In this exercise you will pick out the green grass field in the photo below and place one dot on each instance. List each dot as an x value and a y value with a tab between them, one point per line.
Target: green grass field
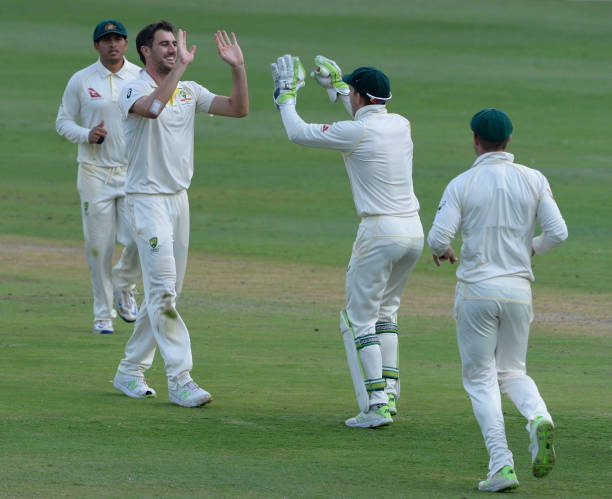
272	229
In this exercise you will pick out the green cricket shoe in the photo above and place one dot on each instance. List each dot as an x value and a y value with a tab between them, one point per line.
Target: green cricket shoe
371	419
541	438
504	479
392	404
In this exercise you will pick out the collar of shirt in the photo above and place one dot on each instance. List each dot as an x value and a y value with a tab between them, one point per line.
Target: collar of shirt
104	71
494	156
373	108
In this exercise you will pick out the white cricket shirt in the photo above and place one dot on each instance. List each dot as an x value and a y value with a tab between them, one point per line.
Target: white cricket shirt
495	204
377	151
160	151
92	95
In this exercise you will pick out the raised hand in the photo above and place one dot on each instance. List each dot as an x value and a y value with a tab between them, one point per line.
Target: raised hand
229	50
183	55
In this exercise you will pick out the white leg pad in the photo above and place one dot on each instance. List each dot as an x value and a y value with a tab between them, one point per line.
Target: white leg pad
348	338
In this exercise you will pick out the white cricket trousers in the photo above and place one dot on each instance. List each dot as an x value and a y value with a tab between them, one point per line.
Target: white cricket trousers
493	319
384	253
105	220
161	224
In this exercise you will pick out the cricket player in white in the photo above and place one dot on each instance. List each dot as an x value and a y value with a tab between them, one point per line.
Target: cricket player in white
160	110
377	151
496	204
91	98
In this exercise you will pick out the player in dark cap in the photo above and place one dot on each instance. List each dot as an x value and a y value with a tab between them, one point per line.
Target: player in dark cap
376	146
89	115
496	204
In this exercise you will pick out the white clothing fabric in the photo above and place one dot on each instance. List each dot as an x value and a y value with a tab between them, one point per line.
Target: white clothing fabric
161	224
493	319
377	151
160	151
384	253
104	215
496	204
92	95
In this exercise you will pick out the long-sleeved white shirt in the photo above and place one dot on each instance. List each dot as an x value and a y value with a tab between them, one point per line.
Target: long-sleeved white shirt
377	152
92	95
496	204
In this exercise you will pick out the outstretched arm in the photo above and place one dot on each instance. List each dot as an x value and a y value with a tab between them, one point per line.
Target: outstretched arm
236	105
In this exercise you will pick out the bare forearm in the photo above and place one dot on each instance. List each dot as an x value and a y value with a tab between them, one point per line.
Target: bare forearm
153	104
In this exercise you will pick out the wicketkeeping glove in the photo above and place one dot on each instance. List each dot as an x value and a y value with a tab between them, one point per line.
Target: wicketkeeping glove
329	75
288	75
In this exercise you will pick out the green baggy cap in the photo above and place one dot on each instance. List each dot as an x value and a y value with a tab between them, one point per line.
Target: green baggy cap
492	124
370	81
109	26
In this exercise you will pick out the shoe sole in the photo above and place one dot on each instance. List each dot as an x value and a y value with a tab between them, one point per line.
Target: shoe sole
370	424
196	403
502	487
129	321
545	458
131	394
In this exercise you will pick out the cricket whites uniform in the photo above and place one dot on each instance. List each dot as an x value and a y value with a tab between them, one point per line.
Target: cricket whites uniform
496	204
160	157
377	150
92	95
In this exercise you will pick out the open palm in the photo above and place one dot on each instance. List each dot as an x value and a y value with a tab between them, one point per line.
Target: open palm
229	50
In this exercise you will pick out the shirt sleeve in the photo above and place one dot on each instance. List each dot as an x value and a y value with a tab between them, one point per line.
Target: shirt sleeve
342	135
554	229
69	112
447	221
131	92
203	96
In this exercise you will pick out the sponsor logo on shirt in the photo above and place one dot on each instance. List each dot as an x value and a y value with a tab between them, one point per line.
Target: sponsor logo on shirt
442	205
550	193
325	128
93	93
129	93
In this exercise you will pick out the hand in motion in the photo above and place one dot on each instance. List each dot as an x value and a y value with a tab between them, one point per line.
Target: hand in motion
97	134
229	50
183	55
329	75
288	75
449	255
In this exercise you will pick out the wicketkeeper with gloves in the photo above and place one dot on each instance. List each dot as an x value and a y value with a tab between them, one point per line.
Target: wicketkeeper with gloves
377	150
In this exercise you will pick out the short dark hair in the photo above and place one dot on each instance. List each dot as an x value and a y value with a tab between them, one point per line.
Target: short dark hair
147	34
489	145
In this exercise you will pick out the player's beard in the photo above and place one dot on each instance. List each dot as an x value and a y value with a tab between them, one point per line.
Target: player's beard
163	67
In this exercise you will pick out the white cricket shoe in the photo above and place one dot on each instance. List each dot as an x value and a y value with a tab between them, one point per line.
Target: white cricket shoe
103	326
541	436
127	308
371	419
188	394
133	386
504	479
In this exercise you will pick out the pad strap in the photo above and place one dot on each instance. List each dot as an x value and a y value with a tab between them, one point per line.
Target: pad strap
366	341
386	327
375	385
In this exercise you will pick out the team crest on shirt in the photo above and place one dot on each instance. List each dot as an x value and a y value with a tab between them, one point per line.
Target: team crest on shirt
184	96
153	244
93	93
